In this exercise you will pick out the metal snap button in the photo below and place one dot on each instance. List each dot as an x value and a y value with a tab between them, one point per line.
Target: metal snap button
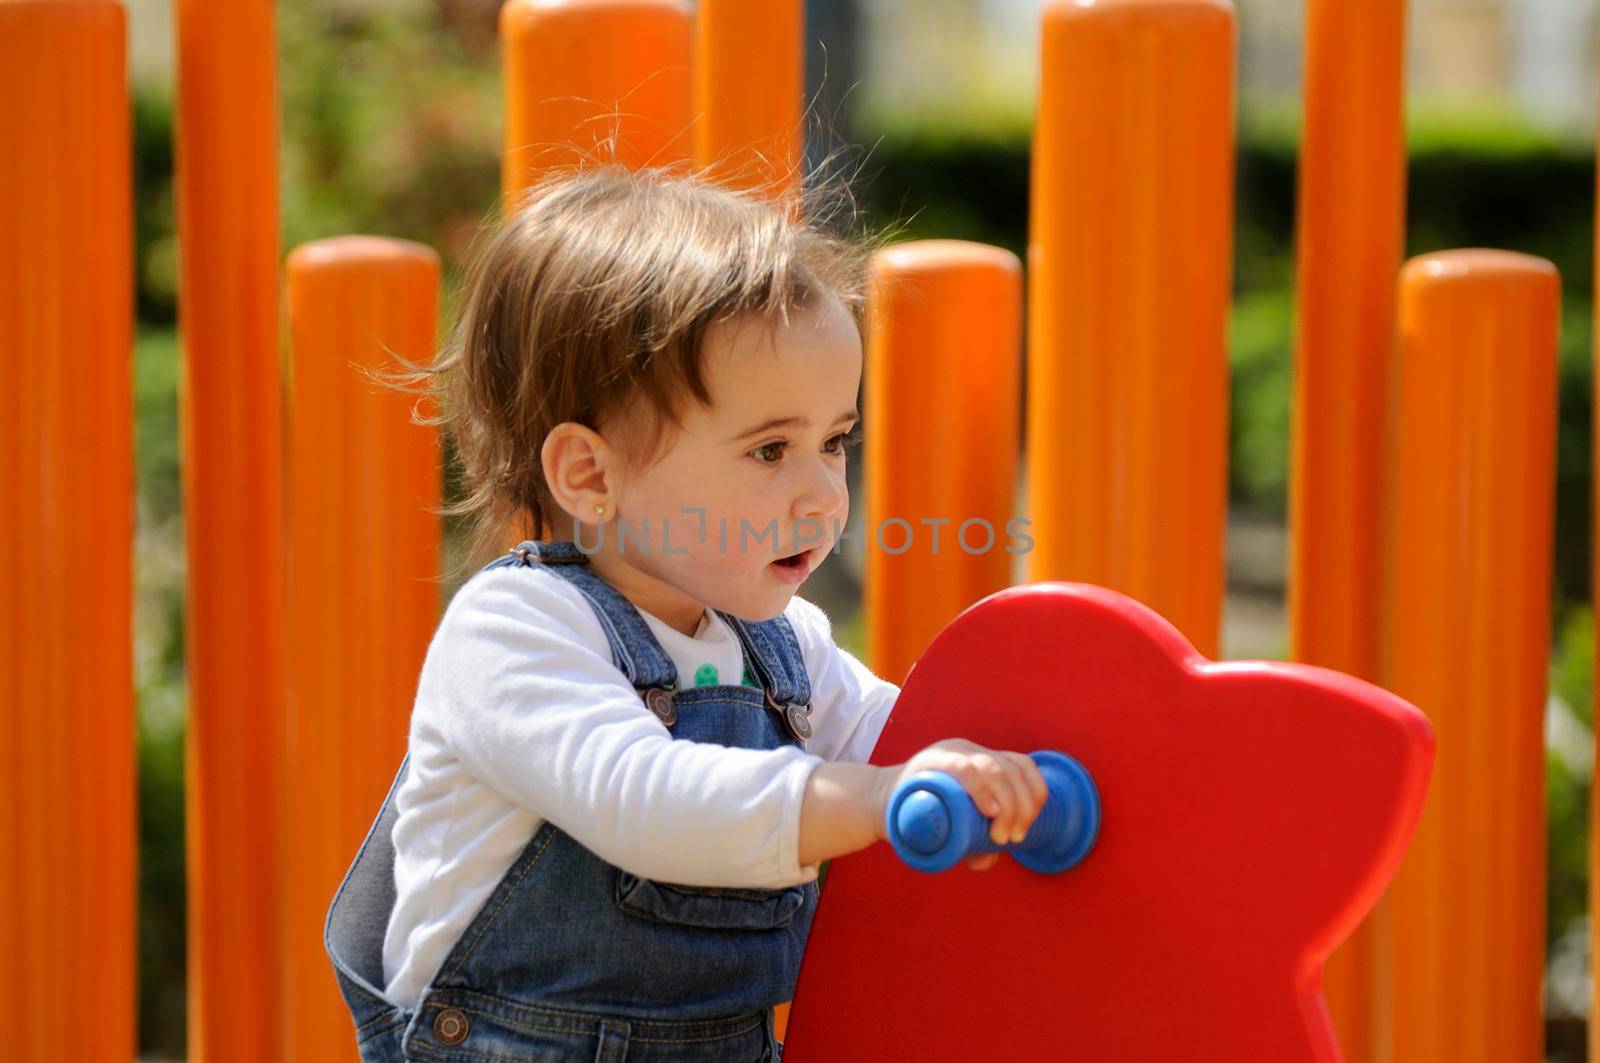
450	1026
795	717
799	722
659	701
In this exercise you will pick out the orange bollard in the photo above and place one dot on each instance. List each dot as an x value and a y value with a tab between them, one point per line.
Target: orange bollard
749	83
363	593
945	351
586	79
1467	598
1594	791
68	822
1129	269
1350	237
230	411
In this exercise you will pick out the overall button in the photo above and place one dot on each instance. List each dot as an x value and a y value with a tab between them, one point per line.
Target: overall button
795	717
799	721
659	701
450	1026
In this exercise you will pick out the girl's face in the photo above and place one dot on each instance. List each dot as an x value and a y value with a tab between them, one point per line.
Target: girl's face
756	478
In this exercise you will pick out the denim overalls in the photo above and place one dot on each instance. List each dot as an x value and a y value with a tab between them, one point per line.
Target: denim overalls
570	957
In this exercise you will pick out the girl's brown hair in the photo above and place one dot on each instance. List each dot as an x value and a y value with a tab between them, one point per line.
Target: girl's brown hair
593	299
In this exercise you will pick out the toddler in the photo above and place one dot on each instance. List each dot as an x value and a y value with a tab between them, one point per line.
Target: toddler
633	744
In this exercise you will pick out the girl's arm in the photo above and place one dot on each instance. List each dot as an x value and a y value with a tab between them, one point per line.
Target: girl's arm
846	798
844	805
841	811
520	689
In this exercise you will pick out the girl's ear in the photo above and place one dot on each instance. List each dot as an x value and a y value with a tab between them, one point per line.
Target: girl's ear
577	465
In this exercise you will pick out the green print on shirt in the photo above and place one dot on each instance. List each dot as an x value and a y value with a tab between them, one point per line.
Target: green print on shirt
706	676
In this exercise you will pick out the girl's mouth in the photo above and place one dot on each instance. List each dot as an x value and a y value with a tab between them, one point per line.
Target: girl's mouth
794	566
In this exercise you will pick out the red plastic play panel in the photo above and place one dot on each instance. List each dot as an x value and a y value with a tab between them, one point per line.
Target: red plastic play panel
1253	813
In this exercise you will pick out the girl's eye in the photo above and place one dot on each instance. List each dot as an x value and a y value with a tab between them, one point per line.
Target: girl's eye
772	453
845	439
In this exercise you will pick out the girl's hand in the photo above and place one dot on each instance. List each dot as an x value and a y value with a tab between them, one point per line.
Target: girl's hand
1007	787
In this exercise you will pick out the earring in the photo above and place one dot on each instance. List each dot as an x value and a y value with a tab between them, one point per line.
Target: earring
600	511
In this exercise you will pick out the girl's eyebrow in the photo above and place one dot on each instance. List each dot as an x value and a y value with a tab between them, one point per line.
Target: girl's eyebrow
799	422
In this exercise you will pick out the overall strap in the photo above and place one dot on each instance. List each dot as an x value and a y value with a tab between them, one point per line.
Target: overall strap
775	650
771	648
633	645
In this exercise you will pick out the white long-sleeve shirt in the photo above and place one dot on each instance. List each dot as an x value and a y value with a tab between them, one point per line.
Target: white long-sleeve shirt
521	717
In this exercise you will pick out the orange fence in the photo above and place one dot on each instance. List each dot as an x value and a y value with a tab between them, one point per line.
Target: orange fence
594	79
945	351
1594	546
1421	552
67	759
363	590
231	418
1350	226
749	80
1129	270
1466	636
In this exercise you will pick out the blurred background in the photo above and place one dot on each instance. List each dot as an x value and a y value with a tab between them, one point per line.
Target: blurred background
391	126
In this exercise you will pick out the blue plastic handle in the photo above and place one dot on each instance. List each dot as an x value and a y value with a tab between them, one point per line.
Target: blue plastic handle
933	823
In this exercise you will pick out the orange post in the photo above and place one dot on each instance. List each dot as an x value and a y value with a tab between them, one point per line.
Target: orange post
749	83
230	410
363	593
1594	791
945	351
1468	605
588	80
1350	232
68	824
1130	263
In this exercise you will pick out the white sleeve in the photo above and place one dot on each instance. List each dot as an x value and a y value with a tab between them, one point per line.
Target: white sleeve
849	703
527	696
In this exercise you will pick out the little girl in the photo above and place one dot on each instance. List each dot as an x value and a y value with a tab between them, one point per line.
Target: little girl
633	744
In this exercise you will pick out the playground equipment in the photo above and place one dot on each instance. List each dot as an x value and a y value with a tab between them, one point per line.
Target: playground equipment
1130	263
67	910
945	349
232	419
1350	224
1436	588
359	531
1252	813
933	823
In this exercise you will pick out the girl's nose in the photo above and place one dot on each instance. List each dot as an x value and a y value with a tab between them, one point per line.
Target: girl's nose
826	493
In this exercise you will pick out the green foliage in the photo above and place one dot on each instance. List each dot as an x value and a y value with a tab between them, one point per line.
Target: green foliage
160	693
154	225
1572	669
390	127
156	368
1568	778
163	890
1259	399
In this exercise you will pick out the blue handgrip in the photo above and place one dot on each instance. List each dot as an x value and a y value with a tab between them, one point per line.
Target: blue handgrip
933	824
